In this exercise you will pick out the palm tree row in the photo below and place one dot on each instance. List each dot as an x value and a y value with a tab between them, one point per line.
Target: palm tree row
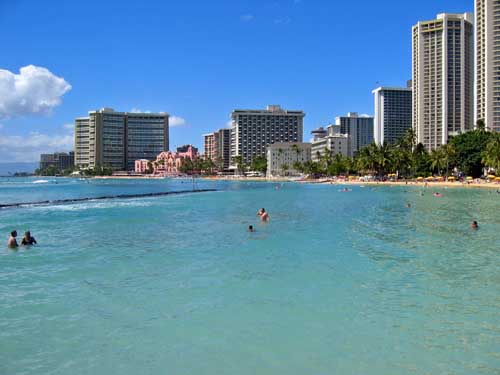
470	152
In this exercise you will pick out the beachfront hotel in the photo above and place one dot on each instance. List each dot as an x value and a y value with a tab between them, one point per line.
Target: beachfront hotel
59	160
253	130
329	140
118	139
443	76
217	147
167	163
359	130
281	158
487	13
392	113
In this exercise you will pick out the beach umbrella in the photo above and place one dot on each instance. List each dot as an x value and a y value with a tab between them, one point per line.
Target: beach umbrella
490	176
469	178
451	178
497	178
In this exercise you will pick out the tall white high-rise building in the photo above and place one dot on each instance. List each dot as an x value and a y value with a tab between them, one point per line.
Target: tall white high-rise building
443	78
487	13
392	114
253	130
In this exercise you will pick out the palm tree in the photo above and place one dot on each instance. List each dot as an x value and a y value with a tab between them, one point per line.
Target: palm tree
240	165
448	153
437	160
285	168
491	156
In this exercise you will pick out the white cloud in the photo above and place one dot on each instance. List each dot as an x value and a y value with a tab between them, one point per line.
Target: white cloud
16	148
247	17
69	126
174	121
35	90
229	124
1	126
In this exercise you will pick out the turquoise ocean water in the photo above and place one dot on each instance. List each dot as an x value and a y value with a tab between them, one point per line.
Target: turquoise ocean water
337	282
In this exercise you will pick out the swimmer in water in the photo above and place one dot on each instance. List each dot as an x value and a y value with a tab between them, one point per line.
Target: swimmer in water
437	195
28	239
251	228
12	243
408	205
474	225
264	216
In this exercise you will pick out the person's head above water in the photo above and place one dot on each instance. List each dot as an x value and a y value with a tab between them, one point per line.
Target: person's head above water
474	225
27	234
13	233
250	228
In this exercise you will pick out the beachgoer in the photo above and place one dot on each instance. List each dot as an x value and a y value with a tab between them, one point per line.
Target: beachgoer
408	205
12	243
264	216
251	228
437	195
28	239
474	225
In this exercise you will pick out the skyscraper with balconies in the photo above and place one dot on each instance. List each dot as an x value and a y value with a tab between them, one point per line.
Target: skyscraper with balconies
117	139
254	130
443	78
487	13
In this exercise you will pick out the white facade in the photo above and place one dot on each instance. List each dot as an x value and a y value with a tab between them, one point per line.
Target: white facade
281	158
393	106
443	77
333	142
487	73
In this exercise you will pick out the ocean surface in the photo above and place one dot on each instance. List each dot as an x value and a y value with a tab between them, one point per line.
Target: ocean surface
336	283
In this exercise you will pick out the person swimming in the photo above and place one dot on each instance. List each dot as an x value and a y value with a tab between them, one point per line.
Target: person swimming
264	216
474	225
251	228
12	242
28	239
437	195
408	205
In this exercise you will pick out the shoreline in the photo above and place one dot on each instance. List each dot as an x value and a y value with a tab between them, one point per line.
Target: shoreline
322	181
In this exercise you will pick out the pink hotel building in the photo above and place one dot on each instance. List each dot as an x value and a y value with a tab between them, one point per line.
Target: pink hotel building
167	163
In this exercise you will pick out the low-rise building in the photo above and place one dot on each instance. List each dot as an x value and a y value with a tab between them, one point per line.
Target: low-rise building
332	141
282	158
167	163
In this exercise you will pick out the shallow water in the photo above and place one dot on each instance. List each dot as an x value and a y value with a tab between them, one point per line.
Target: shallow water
337	282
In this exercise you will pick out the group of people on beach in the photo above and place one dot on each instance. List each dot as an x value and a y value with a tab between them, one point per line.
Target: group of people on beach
264	217
27	240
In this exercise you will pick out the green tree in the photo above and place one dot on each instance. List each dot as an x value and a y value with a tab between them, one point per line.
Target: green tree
491	155
259	164
240	164
469	151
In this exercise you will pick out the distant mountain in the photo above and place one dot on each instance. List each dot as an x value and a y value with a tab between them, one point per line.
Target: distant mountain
7	169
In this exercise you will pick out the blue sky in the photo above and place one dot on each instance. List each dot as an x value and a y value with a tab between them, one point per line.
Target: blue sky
196	60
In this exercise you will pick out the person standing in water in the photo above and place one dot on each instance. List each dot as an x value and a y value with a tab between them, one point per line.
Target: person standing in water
12	243
264	216
28	239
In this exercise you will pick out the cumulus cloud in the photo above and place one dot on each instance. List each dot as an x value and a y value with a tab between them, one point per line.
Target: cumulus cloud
27	148
174	121
69	126
35	90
